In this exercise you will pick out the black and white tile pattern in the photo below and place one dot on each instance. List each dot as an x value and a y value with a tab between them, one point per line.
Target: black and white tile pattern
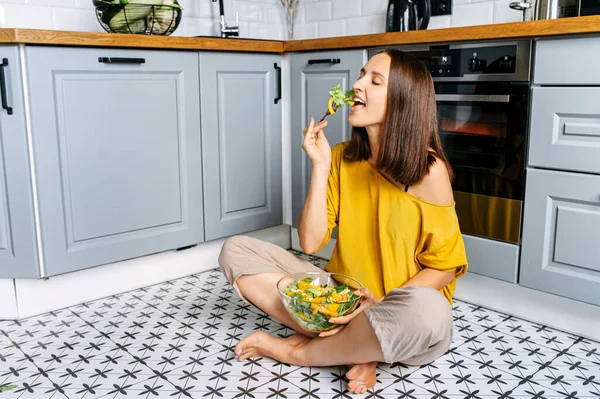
175	340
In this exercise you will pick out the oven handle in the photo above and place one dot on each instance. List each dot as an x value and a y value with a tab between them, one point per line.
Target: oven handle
484	98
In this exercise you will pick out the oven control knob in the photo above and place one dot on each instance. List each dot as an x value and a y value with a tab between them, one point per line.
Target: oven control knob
476	64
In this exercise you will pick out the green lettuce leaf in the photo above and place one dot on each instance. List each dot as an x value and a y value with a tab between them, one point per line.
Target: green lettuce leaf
339	97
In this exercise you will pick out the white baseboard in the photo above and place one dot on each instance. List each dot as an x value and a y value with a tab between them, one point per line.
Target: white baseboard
554	311
8	300
34	297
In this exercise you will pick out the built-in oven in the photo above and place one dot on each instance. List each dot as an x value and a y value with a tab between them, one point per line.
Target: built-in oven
482	95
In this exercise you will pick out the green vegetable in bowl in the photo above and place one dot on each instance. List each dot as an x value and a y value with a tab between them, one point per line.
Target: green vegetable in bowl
315	304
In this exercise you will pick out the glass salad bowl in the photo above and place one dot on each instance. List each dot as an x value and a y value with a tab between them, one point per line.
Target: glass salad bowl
312	298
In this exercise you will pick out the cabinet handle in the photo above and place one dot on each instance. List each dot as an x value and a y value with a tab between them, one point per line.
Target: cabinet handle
8	109
121	60
325	61
278	69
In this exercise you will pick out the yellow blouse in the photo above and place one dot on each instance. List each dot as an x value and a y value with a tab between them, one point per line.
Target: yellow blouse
386	235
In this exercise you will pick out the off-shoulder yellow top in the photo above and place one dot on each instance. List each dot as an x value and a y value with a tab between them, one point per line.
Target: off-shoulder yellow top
386	235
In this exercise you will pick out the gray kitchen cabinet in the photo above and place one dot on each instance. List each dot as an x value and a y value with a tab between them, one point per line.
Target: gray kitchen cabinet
567	61
313	75
491	258
565	128
116	143
241	142
561	234
18	250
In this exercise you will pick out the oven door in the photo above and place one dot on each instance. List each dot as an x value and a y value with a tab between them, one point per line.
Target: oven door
483	132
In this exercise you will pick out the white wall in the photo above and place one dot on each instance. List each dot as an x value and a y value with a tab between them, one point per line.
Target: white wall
326	18
259	19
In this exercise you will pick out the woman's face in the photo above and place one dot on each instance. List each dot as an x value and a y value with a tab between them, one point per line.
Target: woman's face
371	89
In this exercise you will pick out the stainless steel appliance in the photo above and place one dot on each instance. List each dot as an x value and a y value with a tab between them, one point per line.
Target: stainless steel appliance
405	15
546	9
482	93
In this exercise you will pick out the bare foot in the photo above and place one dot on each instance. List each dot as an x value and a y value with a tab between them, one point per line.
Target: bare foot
260	343
362	377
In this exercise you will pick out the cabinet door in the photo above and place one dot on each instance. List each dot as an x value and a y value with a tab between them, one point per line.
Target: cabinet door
565	128
561	234
312	78
18	250
116	137
241	142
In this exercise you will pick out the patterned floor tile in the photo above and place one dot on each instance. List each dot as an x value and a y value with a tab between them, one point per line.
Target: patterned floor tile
175	340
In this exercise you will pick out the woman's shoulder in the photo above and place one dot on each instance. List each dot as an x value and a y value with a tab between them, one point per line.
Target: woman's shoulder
435	187
340	147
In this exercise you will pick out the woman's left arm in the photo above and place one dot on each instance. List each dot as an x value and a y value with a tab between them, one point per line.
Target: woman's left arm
437	279
425	278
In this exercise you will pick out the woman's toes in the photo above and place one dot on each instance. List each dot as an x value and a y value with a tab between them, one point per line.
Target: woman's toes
251	346
353	386
246	355
357	388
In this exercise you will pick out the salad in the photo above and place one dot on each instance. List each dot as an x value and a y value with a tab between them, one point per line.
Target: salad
312	305
338	98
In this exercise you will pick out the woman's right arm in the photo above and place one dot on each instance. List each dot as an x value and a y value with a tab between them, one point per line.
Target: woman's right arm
313	224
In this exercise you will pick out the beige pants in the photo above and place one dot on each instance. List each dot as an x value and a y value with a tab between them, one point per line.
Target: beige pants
413	324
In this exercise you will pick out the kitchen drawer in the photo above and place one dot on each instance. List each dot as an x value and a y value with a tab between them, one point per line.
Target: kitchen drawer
561	234
567	61
565	128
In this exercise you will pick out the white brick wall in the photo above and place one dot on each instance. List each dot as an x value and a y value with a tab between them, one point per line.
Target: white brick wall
354	17
259	19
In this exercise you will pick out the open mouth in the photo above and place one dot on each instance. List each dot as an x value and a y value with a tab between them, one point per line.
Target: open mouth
358	104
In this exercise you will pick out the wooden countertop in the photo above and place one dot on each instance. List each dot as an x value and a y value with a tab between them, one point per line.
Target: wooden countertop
104	39
532	29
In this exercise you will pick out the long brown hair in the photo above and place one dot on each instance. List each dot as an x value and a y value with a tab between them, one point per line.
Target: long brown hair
409	136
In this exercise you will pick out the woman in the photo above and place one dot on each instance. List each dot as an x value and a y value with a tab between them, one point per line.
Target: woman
388	190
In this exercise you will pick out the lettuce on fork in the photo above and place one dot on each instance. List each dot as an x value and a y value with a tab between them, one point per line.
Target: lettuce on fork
338	98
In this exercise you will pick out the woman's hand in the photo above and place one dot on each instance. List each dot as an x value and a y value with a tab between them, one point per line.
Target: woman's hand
368	300
316	146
